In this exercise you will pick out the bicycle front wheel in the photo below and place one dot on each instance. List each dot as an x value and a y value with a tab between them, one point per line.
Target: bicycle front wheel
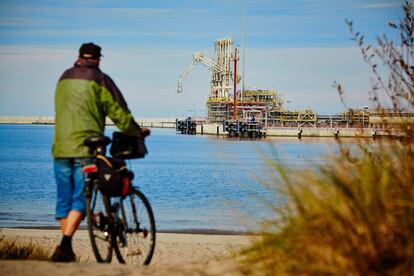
136	236
100	234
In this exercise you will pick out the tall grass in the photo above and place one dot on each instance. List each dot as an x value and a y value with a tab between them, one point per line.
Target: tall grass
11	249
353	215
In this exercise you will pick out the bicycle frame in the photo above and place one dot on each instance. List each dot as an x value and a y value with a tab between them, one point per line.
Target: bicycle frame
119	220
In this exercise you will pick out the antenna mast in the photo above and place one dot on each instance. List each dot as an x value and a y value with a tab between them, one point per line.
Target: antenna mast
243	51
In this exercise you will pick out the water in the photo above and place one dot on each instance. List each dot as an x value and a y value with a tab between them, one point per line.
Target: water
192	182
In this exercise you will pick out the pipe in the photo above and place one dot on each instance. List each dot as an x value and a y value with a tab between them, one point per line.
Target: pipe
235	85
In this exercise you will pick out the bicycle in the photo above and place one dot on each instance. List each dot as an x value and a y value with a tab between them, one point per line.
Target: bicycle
125	224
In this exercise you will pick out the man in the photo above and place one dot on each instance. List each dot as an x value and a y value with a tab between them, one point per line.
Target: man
84	97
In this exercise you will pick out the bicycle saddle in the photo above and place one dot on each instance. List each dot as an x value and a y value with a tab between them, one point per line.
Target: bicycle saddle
97	141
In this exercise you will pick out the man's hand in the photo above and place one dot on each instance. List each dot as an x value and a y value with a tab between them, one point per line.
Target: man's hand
144	132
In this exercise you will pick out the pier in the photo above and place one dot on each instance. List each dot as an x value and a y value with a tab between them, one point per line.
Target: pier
219	129
44	120
216	129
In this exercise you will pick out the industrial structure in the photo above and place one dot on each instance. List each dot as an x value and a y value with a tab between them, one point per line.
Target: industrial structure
244	111
221	103
221	73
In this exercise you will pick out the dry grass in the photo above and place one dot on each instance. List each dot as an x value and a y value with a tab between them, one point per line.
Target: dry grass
13	250
354	216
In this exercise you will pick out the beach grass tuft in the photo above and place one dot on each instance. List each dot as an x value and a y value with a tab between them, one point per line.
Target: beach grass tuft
14	250
354	214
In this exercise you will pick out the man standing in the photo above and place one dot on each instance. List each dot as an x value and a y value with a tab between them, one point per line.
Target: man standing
84	97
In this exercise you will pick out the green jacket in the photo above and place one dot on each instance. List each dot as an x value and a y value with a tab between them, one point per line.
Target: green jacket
84	97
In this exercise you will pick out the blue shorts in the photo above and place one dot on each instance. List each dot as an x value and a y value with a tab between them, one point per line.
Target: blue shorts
70	182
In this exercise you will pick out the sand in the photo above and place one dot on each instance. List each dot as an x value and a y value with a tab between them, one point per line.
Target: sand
175	254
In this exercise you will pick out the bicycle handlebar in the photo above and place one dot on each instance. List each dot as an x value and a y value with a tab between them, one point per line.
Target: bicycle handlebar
145	132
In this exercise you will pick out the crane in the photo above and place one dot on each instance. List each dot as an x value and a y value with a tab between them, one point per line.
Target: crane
197	57
220	67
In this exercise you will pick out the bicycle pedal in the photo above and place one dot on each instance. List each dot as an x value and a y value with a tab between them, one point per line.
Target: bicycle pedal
99	220
94	219
115	208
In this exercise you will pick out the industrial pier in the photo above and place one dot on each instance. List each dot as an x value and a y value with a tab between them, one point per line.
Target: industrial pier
257	113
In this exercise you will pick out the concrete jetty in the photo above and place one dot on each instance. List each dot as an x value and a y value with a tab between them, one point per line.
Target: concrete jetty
218	130
44	120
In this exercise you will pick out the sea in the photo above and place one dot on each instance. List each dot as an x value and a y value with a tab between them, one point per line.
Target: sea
193	182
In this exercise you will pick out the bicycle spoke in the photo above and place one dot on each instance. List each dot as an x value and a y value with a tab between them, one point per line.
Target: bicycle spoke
98	226
139	231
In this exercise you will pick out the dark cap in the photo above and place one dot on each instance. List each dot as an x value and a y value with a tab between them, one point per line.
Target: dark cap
90	51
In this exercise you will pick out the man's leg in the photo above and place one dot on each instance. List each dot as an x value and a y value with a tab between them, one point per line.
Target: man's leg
77	212
63	176
72	222
68	227
62	223
64	181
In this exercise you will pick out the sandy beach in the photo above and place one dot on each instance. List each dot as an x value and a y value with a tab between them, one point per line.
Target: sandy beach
175	254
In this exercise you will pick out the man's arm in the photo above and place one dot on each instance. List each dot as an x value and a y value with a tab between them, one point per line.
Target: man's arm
116	108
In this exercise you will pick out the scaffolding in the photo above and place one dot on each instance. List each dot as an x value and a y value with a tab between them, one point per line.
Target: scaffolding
288	118
220	67
254	104
264	106
356	117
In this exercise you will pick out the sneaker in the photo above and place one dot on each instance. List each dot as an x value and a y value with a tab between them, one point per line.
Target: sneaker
61	256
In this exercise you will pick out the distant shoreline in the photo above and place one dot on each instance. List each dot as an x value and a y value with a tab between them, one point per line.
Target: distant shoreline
157	122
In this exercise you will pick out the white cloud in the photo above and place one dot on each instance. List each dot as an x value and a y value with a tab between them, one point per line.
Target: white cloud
93	32
24	21
92	13
379	5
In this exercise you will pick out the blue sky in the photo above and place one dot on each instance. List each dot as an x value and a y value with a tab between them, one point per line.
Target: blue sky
298	47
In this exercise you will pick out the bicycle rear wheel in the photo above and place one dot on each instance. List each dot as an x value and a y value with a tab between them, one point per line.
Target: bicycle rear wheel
97	212
136	233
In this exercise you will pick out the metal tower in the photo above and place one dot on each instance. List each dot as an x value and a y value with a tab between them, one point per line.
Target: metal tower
220	66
